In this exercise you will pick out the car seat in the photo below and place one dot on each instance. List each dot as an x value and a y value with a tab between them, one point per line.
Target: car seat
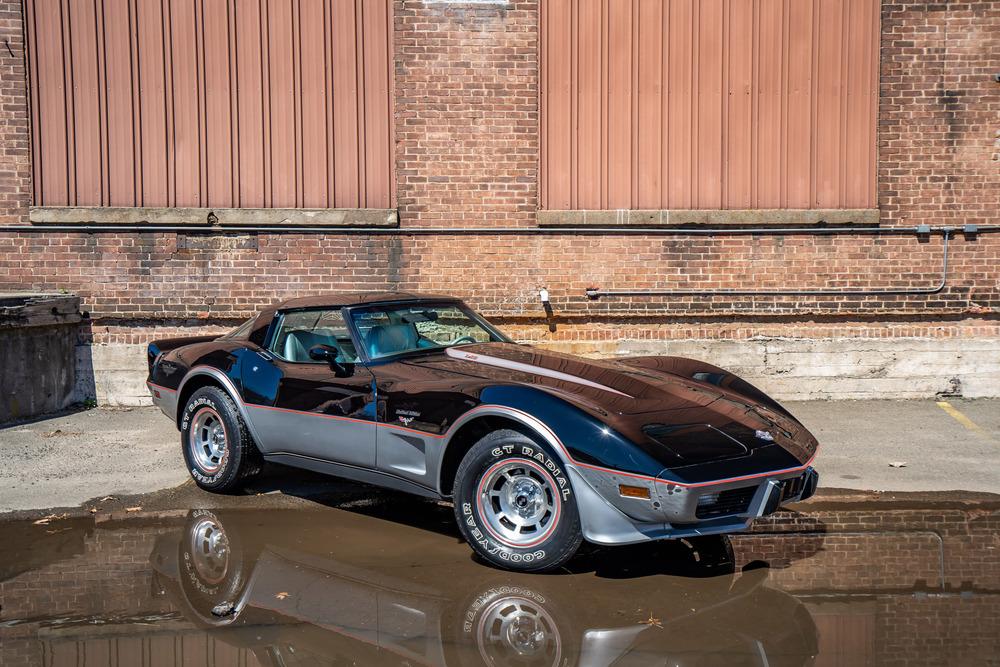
298	343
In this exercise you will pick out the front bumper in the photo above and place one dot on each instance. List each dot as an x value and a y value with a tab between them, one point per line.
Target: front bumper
674	511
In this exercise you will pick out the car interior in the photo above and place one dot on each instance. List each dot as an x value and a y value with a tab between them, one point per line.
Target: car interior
387	339
294	344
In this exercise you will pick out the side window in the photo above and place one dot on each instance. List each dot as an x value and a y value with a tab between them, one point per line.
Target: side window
301	330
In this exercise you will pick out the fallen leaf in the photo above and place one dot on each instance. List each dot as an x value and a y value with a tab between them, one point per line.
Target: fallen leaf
281	596
897	464
107	498
58	433
133	509
652	620
44	521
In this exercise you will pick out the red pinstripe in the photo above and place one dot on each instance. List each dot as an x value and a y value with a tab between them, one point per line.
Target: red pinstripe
161	387
563	449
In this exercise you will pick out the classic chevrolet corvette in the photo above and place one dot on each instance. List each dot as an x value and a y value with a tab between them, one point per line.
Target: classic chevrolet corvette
538	450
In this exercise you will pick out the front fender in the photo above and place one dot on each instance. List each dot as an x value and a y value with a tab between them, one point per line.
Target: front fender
576	436
579	440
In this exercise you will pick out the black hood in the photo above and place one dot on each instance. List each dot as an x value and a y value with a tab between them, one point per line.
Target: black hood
689	410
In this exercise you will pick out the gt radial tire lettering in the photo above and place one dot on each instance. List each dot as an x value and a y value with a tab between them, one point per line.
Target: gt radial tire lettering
488	596
189	412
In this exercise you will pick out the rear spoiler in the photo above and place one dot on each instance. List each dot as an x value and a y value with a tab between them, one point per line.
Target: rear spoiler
158	347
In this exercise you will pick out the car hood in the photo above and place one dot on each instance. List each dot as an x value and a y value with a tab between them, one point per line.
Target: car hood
682	411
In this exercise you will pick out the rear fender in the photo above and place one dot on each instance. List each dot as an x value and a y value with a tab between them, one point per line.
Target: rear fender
227	385
158	347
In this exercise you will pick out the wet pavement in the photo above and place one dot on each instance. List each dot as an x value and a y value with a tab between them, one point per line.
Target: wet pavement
370	578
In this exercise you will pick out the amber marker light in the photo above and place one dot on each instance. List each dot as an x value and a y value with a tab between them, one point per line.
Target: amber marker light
633	491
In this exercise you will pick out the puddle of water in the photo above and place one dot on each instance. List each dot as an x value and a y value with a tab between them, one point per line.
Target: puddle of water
392	584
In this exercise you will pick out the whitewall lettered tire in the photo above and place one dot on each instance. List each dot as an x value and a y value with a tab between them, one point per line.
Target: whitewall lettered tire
218	449
514	503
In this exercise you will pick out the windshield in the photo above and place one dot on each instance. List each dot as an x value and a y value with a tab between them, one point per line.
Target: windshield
401	328
240	331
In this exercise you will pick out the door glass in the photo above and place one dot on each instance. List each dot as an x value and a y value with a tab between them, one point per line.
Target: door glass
301	330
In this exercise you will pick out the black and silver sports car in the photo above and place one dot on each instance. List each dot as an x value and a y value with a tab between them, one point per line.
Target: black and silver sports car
538	450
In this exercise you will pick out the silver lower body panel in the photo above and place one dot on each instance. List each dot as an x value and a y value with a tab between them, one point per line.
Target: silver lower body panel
607	518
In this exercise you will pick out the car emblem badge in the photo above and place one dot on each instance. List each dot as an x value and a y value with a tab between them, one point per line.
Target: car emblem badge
406	420
764	435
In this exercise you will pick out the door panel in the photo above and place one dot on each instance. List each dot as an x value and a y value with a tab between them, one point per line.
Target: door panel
416	405
305	409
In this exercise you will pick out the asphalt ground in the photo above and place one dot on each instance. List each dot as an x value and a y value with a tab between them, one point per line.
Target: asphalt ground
883	446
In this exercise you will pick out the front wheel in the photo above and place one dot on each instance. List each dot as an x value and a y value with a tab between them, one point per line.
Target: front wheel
515	505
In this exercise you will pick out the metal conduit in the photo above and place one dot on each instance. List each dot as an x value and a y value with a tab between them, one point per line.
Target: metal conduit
595	293
494	231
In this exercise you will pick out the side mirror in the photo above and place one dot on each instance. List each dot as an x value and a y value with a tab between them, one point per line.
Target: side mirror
329	354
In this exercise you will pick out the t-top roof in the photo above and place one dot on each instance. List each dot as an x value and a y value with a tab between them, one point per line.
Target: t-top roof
335	299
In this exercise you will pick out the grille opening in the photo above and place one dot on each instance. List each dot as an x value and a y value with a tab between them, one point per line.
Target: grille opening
792	487
723	503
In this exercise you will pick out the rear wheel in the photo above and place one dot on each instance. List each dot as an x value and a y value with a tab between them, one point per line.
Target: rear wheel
218	449
213	569
515	505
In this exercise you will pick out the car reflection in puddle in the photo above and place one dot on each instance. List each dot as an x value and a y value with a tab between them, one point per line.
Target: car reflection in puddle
299	591
389	582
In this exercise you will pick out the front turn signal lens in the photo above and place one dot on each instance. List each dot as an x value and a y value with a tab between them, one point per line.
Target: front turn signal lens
633	491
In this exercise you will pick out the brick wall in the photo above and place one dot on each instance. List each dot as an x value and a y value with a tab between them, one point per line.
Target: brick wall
466	130
939	112
466	114
15	162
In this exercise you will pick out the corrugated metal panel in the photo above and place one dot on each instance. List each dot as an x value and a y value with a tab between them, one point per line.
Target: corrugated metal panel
713	104
211	103
180	648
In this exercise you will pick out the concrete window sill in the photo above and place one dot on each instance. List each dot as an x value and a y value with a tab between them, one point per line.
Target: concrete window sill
710	218
210	217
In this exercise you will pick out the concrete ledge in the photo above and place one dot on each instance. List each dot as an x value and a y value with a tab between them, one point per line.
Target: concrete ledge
264	217
813	369
736	218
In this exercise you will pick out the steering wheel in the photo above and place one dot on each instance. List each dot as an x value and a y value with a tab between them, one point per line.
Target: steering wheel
463	339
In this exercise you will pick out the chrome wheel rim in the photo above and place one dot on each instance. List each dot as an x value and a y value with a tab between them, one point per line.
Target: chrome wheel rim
207	440
209	550
517	631
519	503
